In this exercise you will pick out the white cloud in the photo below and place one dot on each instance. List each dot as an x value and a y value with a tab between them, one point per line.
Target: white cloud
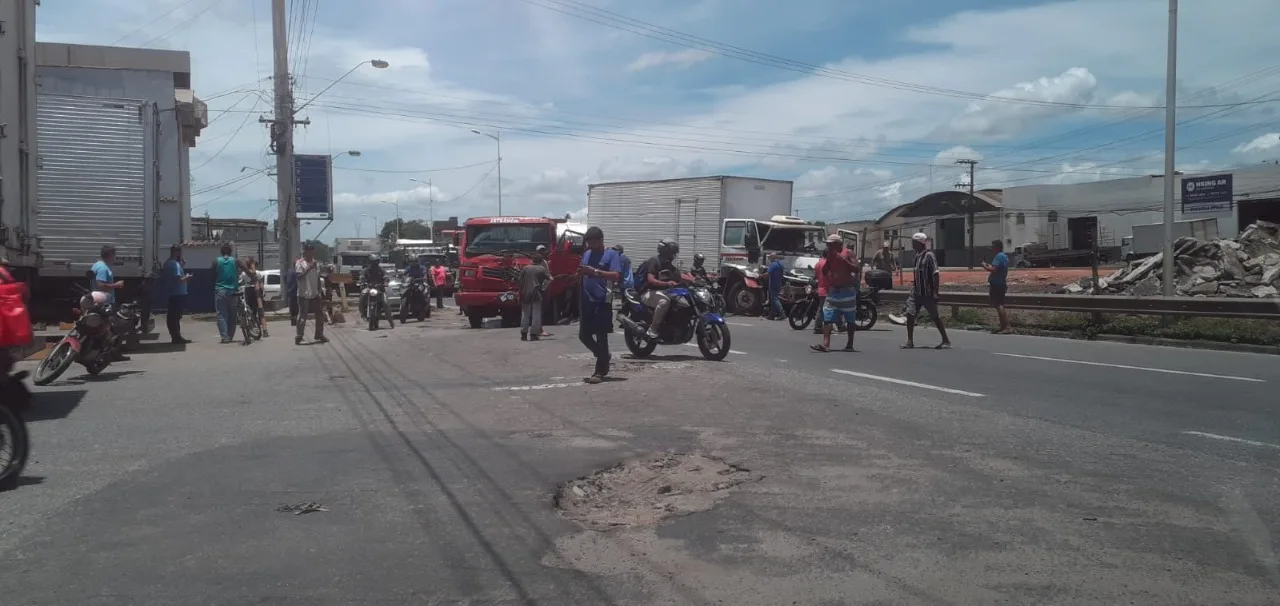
1264	144
676	60
568	116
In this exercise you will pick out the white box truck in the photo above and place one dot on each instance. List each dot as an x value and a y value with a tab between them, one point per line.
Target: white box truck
18	145
1148	240
732	221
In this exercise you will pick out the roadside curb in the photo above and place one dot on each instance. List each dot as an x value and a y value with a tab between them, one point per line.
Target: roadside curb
1157	341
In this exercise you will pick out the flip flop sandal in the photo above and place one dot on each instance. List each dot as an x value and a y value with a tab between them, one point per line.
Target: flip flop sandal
819	349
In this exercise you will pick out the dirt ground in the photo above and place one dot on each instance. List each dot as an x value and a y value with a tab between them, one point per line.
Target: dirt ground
1020	280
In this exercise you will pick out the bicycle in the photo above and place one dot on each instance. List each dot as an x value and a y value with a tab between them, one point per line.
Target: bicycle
248	319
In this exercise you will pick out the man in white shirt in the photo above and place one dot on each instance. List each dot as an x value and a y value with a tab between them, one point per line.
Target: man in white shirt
309	300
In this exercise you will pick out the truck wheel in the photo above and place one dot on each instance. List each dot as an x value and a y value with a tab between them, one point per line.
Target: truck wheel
743	300
475	321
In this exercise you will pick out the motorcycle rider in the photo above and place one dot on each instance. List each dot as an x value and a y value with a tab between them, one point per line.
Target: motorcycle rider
699	271
374	277
415	269
655	283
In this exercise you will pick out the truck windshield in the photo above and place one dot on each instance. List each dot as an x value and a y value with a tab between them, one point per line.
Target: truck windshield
785	239
508	237
349	259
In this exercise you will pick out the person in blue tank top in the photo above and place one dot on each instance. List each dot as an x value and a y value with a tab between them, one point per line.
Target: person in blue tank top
226	280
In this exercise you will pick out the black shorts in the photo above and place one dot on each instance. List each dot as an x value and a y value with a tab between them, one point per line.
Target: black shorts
997	292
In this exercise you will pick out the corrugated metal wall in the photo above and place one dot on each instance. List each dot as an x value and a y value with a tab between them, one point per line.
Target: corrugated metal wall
93	182
639	214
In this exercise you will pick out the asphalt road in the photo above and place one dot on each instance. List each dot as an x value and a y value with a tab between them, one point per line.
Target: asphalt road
929	477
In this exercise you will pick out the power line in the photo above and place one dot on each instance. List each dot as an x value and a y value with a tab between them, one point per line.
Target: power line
619	21
152	22
234	134
180	25
251	181
413	172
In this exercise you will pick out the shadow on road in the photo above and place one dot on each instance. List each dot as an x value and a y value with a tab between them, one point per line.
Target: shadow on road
158	347
24	481
52	405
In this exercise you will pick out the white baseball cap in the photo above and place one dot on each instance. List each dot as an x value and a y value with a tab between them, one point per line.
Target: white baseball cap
920	237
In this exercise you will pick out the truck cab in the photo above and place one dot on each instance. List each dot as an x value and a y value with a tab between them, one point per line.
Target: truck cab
745	244
493	251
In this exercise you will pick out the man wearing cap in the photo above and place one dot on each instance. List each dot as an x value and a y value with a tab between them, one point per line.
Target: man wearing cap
884	260
841	272
924	292
599	267
533	282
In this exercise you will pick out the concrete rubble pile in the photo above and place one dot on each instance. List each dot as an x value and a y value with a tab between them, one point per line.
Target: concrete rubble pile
1248	266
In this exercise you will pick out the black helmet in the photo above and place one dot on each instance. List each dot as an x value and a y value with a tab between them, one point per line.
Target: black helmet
699	259
668	248
374	258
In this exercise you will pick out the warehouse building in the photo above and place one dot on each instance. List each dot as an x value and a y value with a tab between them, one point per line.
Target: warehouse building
1069	217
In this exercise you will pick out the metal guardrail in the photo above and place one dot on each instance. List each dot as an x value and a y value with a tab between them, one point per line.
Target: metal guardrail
1216	307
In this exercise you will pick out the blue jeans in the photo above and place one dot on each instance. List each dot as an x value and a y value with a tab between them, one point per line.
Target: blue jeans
593	331
225	302
776	303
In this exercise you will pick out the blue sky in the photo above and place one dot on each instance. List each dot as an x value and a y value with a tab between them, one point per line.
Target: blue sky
864	104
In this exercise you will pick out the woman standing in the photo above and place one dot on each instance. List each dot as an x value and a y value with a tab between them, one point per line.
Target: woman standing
251	280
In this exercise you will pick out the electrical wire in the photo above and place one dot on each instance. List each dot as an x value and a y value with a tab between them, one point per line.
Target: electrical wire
413	172
152	22
619	21
473	187
256	178
234	134
184	23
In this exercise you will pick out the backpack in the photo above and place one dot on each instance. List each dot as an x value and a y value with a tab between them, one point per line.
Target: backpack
640	277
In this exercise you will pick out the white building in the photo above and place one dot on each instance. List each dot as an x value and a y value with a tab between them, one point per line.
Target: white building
1066	216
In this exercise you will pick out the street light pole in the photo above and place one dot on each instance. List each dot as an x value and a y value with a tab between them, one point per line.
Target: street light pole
398	222
1170	125
497	138
431	203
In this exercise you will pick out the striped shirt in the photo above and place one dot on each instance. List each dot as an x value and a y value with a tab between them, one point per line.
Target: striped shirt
926	268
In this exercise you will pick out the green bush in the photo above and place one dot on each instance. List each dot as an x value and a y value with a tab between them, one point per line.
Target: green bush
1223	330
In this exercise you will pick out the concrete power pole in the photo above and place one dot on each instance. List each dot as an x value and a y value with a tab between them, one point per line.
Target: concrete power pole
969	220
282	140
1170	126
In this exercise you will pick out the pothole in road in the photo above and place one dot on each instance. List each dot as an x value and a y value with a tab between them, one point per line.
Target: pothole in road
644	492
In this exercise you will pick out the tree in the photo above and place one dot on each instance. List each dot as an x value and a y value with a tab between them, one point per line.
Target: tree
409	230
323	251
821	223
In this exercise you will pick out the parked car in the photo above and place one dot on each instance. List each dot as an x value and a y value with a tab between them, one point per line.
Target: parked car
273	290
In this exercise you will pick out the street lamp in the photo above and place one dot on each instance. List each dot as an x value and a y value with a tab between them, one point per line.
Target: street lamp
376	63
361	223
497	139
354	153
397	205
431	204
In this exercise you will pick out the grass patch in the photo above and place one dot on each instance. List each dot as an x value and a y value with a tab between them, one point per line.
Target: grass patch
1222	330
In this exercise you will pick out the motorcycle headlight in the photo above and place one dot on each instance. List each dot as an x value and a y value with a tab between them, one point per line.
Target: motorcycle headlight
702	294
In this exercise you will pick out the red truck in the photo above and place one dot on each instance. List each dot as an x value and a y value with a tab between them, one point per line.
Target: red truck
494	250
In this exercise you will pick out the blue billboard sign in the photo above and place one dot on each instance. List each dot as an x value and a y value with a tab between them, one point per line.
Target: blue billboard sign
313	179
1210	193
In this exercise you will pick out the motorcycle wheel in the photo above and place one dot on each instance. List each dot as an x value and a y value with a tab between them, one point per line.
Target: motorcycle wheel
424	312
390	322
95	367
705	334
54	364
867	315
404	312
801	315
641	347
373	318
20	446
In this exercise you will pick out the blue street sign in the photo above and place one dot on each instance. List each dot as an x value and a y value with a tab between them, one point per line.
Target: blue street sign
313	177
1211	193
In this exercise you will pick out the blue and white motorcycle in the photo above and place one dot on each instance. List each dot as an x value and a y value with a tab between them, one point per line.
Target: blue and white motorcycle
692	316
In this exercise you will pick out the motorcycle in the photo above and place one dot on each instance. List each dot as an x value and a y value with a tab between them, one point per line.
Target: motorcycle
375	306
92	341
416	301
806	308
15	399
691	317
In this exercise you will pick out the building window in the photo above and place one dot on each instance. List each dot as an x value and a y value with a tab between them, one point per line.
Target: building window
1021	219
1053	216
182	80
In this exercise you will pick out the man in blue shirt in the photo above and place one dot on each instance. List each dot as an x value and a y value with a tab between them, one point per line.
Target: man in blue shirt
998	283
775	287
415	269
599	267
104	280
176	278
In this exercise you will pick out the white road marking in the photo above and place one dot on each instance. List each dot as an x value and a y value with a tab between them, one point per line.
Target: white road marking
732	351
1146	368
908	383
1214	436
738	324
537	387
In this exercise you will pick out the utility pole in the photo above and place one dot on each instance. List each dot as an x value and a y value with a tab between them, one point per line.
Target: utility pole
1170	124
431	209
282	123
972	164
